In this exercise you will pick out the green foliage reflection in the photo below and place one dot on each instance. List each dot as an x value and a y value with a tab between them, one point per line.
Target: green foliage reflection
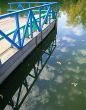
76	11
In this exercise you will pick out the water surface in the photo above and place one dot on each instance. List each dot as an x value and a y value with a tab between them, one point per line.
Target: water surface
60	63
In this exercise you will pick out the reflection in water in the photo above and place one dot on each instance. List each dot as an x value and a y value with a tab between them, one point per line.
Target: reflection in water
76	11
68	39
59	79
26	76
3	7
62	82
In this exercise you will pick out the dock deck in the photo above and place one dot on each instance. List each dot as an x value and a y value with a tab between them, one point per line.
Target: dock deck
5	47
20	35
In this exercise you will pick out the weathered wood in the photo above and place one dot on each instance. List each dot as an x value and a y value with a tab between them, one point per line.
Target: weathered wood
9	24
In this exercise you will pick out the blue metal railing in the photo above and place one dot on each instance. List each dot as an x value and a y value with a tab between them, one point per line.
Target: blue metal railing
29	23
19	5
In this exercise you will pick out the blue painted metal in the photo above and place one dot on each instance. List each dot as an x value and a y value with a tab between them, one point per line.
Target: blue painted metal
40	17
10	7
18	32
28	3
25	30
20	6
31	26
30	19
46	17
9	40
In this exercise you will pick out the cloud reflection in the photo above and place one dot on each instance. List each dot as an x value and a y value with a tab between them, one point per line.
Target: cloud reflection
36	96
83	52
68	39
78	30
81	60
47	73
64	49
59	79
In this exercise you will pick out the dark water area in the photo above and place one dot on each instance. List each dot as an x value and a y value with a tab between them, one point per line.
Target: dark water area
53	77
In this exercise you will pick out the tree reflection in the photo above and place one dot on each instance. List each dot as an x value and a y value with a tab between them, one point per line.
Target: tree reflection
76	11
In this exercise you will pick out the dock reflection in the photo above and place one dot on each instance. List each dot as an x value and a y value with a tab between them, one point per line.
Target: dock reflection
15	89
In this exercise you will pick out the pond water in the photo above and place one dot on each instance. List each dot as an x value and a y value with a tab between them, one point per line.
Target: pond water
59	66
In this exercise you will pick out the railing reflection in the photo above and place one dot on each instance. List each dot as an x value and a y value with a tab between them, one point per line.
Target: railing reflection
16	88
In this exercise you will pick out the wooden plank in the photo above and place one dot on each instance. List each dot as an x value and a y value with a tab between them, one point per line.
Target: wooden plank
9	23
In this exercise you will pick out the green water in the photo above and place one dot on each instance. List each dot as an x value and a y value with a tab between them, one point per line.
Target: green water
60	62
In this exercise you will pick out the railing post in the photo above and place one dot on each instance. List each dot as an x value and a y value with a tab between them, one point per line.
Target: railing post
51	11
40	17
18	28
25	30
49	14
11	7
54	12
29	5
31	25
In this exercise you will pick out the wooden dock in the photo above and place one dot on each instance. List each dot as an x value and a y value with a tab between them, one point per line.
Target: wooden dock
20	34
12	57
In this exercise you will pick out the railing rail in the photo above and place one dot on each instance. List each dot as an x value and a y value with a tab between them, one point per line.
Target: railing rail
20	4
30	19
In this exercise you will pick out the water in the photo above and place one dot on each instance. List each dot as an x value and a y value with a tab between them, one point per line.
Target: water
59	65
